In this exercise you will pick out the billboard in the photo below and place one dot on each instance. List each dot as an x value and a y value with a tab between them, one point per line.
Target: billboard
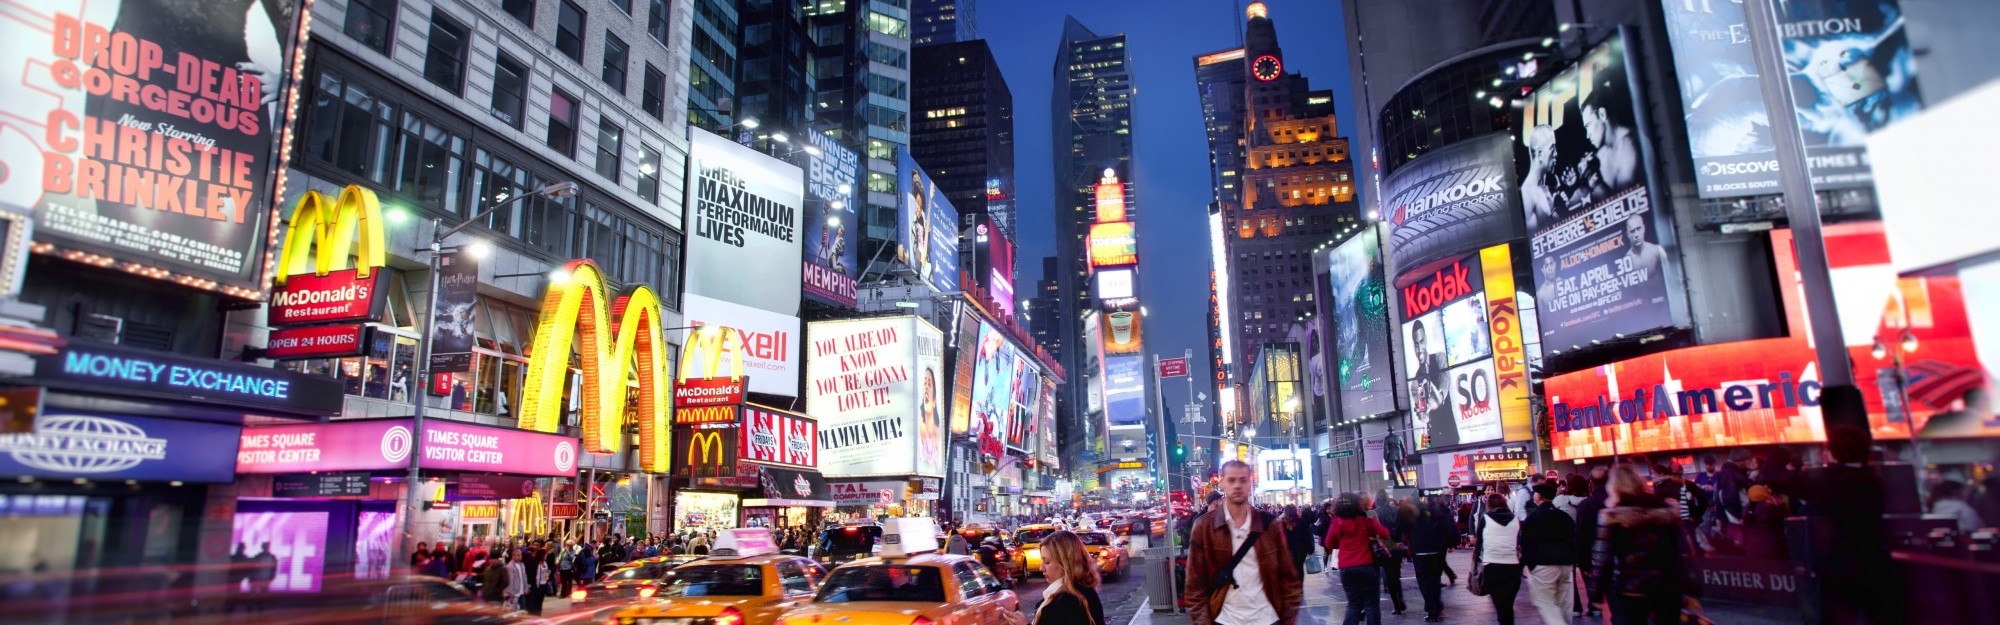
296	542
770	341
988	258
1121	332
1125	390
1852	73
144	131
877	386
1363	372
1448	344
1284	469
386	444
927	226
1114	244
832	222
1603	253
1114	285
777	437
1452	200
743	214
966	341
997	366
1768	391
1026	390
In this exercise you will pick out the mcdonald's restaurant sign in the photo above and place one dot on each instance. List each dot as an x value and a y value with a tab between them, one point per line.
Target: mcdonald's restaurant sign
315	282
705	451
702	380
621	338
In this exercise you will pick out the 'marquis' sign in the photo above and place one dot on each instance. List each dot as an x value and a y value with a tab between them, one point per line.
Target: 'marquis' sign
582	306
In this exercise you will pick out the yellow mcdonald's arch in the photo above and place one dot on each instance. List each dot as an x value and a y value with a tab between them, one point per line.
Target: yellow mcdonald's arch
705	347
580	306
318	241
709	442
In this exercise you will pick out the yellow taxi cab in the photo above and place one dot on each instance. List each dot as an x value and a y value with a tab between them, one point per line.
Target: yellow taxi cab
1108	551
743	581
1028	547
908	584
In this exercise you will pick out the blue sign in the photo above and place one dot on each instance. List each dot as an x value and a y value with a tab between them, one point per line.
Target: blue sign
120	371
1125	390
119	447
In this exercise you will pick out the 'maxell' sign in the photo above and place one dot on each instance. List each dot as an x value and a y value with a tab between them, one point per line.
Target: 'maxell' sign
335	341
1444	286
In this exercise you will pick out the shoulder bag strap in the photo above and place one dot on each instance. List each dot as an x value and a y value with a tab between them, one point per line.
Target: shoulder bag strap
1229	569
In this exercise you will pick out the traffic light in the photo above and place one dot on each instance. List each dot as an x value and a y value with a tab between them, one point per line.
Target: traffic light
1180	450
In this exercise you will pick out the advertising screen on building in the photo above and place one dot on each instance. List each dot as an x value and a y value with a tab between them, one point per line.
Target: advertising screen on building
744	210
927	226
1362	368
1125	390
186	102
1284	469
1852	73
1110	199
1116	284
1121	332
1027	398
1467	377
296	540
833	222
1113	244
770	341
1767	391
1604	259
877	386
966	343
1452	200
996	379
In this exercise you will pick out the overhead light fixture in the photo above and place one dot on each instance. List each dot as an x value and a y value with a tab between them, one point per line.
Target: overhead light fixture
749	122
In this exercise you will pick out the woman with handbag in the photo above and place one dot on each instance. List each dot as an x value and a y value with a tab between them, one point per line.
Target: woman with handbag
1496	566
1071	596
1359	540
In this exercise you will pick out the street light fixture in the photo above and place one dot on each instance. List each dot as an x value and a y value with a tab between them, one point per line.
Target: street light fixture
476	248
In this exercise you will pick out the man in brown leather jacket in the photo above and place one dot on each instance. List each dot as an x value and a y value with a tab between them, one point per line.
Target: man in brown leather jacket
1267	589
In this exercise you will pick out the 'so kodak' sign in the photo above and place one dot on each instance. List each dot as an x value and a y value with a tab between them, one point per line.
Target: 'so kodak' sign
315	283
581	306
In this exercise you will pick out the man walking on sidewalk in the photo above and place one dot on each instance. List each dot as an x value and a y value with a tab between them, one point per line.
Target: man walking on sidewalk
1548	549
1239	566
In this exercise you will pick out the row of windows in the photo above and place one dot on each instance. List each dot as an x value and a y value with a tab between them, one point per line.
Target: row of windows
354	129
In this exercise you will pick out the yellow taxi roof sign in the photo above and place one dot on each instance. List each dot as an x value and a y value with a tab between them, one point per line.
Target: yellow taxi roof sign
906	537
742	542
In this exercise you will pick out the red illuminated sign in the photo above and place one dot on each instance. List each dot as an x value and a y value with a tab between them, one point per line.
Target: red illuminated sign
1443	287
1173	367
334	341
710	392
773	437
338	296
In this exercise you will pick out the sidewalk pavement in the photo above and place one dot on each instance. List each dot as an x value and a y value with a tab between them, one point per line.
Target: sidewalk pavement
1326	604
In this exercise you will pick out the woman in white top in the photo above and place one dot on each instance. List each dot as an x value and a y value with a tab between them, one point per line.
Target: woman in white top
1499	535
1574	492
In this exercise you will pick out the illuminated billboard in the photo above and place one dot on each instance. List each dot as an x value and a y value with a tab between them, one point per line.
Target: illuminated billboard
1110	198
1467	376
877	387
927	226
1113	244
1124	390
1116	284
744	209
1121	332
833	222
1284	469
1361	346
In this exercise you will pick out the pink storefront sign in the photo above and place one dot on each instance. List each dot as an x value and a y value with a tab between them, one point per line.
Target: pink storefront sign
385	444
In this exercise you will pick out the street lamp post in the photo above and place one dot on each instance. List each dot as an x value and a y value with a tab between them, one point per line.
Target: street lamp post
1906	344
411	500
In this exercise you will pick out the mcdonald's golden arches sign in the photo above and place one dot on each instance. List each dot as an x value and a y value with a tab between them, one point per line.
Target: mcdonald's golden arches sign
579	306
314	282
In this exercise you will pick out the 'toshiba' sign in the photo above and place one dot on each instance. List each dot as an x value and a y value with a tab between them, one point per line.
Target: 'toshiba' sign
314	283
581	306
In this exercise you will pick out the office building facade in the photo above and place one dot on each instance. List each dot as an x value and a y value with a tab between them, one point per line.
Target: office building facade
963	130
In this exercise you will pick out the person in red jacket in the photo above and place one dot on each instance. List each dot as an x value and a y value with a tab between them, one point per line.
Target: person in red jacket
1353	534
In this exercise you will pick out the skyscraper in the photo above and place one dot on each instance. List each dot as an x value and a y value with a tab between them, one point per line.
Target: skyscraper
776	81
862	69
1091	113
943	21
1218	81
1297	191
964	129
712	68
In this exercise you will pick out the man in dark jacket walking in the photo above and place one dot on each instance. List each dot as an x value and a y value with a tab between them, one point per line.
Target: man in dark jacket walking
1586	531
1433	533
1548	549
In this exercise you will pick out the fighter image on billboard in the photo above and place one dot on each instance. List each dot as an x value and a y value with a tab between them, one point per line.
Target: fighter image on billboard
1568	173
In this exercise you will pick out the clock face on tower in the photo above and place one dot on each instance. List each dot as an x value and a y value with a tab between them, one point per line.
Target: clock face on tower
1266	68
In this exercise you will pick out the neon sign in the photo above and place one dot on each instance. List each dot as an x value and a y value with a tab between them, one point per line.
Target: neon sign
578	307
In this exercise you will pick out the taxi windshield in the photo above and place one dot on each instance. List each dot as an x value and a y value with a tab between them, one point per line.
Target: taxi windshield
883	583
1033	535
730	580
1094	538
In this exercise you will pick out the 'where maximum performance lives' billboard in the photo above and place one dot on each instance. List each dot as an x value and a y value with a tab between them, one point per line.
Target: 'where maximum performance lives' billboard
1851	69
1604	261
743	217
143	130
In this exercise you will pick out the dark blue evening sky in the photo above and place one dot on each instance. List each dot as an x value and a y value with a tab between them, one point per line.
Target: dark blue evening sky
1171	164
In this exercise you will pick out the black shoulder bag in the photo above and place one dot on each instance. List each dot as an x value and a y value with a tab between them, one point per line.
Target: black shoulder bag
1225	577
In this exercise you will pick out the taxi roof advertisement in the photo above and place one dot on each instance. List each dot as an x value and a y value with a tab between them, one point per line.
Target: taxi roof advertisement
877	386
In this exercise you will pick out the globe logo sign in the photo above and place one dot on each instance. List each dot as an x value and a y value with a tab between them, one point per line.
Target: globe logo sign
396	444
565	456
83	444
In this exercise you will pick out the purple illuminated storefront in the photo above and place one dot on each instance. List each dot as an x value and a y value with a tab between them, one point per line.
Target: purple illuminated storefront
335	487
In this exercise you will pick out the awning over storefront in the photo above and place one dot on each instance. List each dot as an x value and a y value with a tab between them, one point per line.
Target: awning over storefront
790	487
